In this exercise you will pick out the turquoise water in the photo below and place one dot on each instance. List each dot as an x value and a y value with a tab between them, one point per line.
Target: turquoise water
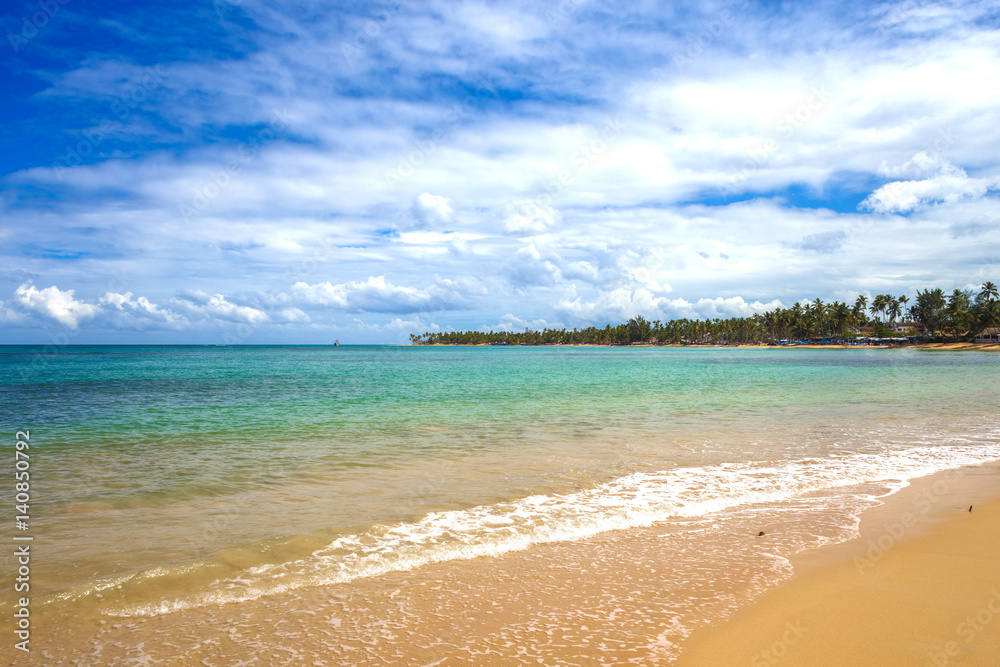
169	478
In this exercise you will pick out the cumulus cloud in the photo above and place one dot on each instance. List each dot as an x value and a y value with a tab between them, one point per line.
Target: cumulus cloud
216	306
431	209
527	267
615	305
511	322
621	304
55	304
941	182
377	295
604	216
721	307
582	270
291	315
126	312
921	164
12	316
111	311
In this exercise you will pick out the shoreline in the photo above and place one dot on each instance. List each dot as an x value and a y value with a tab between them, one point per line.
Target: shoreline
558	600
902	592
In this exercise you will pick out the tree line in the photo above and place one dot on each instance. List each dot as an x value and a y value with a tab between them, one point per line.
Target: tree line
933	315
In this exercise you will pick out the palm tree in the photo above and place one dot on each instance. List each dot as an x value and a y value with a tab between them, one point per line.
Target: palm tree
988	304
989	293
840	316
878	305
819	311
860	305
959	312
894	310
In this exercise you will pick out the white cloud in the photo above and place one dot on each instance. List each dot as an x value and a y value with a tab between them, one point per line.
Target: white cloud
621	304
824	242
527	268
55	304
377	295
123	311
722	307
216	306
432	209
295	315
791	111
944	183
510	322
921	164
529	217
615	305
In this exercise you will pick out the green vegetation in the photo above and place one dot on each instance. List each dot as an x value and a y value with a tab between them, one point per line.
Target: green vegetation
933	315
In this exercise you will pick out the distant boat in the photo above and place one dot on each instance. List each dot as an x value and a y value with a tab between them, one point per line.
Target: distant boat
336	343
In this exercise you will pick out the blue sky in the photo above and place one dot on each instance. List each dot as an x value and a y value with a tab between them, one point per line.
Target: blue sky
237	171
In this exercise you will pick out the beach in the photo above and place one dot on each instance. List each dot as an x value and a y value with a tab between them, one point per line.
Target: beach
919	586
306	505
902	593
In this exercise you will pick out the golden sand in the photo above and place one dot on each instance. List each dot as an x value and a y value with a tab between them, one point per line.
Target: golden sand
921	586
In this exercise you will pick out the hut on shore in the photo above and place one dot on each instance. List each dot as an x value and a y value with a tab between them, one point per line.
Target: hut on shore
989	335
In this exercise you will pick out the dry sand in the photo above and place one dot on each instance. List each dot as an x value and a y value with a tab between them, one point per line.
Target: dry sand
921	586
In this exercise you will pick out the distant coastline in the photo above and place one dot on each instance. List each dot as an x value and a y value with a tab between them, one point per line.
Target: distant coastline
954	320
949	347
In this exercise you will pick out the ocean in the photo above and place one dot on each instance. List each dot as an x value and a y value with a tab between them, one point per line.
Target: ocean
452	505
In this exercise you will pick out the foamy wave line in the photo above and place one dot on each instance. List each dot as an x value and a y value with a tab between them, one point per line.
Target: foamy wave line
640	499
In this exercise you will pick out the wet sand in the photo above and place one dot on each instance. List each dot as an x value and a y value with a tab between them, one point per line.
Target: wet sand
921	586
621	597
643	596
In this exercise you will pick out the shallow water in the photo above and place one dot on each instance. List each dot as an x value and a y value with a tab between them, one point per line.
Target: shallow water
169	482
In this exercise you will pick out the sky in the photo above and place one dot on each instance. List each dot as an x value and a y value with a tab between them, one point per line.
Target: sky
257	172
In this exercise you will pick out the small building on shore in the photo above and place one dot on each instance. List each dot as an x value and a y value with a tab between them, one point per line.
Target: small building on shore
989	335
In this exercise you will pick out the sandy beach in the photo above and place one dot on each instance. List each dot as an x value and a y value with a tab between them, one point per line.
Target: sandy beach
920	586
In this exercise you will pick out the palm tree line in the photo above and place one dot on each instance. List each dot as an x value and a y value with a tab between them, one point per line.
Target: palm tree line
933	315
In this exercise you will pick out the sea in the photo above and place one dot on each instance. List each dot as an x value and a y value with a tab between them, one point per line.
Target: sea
421	505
